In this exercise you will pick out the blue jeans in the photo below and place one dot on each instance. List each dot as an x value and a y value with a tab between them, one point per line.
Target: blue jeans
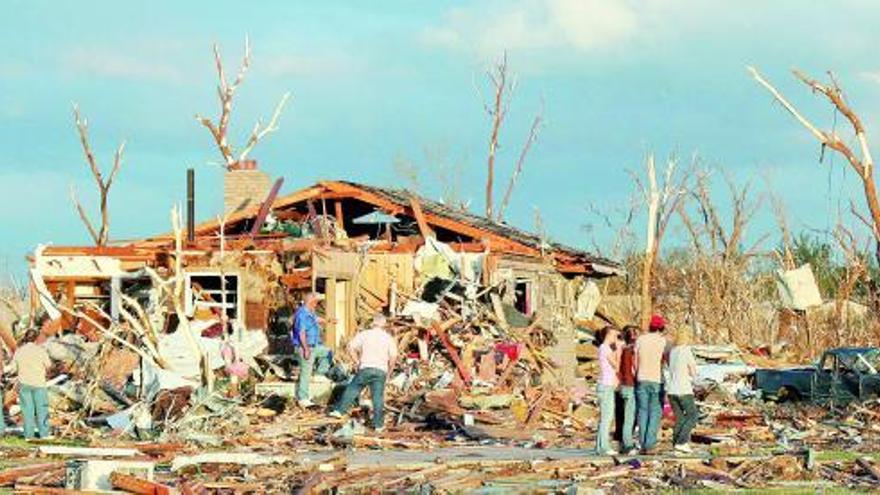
649	413
605	393
34	402
366	377
317	356
628	395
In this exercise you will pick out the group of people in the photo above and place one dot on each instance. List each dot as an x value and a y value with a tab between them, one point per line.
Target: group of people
373	350
640	371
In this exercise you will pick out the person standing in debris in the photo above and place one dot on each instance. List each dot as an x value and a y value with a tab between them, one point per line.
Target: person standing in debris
609	362
308	344
682	370
627	390
648	353
375	352
32	363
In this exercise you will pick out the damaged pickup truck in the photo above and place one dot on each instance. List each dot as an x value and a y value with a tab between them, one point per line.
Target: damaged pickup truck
841	376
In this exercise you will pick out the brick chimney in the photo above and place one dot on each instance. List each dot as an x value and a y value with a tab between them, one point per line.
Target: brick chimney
244	186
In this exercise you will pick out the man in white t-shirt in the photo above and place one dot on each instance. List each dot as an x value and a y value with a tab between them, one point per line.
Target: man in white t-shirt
375	352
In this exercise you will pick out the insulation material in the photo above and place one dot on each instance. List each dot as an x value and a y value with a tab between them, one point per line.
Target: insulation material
797	288
438	260
588	299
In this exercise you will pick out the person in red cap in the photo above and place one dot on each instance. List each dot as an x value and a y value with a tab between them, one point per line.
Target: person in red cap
648	356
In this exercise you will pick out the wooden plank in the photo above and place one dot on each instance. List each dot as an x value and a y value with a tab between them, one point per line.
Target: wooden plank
420	217
453	352
330	307
8	476
47	490
138	485
264	207
337	208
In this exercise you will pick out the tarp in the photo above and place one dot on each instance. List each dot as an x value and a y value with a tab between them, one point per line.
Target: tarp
797	288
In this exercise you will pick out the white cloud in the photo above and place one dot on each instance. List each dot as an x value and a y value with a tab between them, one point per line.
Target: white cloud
873	76
107	62
583	25
323	65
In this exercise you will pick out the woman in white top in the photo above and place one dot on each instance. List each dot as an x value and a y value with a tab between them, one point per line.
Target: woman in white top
682	370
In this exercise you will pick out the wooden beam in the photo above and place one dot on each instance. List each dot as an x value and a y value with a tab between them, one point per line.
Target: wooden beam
265	206
9	476
420	217
140	486
340	219
330	308
440	331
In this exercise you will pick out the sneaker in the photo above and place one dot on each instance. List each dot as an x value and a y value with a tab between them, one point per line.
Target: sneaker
334	414
306	403
631	451
684	448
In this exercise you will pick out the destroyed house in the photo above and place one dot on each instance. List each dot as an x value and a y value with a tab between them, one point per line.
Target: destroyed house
365	248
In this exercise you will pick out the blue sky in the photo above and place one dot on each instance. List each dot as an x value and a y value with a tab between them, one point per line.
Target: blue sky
374	83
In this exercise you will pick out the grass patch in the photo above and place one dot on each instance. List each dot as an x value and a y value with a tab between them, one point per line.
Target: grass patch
841	455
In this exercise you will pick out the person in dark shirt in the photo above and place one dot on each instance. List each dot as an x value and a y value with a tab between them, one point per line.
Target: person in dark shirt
627	388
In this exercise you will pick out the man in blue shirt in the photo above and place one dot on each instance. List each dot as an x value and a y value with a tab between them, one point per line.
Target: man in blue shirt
308	344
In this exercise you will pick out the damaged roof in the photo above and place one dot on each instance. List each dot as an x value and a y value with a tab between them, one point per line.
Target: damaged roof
402	196
398	201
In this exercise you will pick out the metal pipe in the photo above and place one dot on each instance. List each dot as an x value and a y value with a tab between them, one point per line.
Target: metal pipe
190	205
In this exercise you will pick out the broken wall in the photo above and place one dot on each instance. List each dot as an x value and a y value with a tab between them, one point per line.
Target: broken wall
553	300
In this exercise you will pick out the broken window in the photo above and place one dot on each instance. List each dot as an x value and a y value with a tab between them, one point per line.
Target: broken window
205	293
523	297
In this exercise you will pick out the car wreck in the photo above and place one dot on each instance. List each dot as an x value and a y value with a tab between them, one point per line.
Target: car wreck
841	376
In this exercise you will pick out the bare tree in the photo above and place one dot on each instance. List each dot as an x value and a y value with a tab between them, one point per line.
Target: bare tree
662	201
533	135
856	269
100	235
502	92
862	163
226	93
498	110
725	238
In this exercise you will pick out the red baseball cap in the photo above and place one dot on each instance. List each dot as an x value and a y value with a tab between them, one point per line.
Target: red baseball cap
657	321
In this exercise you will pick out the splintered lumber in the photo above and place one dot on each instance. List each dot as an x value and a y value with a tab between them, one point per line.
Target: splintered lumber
64	450
420	217
453	352
868	466
264	207
9	476
48	490
138	485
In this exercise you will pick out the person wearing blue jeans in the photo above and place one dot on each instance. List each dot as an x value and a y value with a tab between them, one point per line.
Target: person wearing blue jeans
649	413
609	362
32	362
649	352
606	414
627	389
375	380
308	346
375	352
34	402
